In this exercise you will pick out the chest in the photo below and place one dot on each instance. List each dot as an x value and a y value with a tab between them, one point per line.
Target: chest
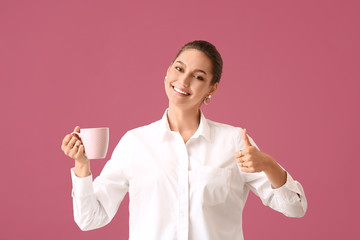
169	161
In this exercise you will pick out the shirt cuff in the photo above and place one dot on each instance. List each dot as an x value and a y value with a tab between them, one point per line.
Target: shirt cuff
82	187
287	190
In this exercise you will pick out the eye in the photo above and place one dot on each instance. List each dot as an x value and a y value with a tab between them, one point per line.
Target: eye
179	69
199	77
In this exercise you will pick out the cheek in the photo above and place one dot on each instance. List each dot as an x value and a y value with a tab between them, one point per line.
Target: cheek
167	86
201	90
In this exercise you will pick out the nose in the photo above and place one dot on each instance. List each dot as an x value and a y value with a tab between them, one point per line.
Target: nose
185	80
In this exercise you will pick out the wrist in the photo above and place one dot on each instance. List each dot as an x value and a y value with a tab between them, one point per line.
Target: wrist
271	164
82	169
275	173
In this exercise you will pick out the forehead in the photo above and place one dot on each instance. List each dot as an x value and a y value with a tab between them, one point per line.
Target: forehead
195	59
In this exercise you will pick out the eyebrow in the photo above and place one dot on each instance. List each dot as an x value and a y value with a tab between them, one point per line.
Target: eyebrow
196	70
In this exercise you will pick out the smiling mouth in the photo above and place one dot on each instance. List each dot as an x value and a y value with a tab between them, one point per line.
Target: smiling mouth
181	92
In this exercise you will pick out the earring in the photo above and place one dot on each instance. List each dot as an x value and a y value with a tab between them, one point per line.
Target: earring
207	100
166	77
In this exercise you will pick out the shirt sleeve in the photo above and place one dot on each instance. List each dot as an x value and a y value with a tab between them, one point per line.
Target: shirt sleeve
288	199
96	202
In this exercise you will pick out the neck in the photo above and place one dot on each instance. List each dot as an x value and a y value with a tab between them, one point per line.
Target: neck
184	121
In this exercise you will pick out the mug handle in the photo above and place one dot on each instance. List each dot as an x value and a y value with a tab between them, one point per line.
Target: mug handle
78	134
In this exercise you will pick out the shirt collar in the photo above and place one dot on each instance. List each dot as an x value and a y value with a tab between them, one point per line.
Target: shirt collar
203	129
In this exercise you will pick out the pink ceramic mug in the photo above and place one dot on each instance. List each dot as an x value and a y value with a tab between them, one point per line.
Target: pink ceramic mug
95	140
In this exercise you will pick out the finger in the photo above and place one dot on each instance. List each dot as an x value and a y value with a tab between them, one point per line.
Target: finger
74	149
246	163
238	154
246	138
77	147
242	164
246	169
72	142
66	140
81	151
68	147
77	143
240	160
73	152
77	129
241	153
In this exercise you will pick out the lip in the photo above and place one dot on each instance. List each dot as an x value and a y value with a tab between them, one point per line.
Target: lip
181	89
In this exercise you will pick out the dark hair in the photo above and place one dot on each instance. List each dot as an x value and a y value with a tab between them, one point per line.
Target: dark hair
211	51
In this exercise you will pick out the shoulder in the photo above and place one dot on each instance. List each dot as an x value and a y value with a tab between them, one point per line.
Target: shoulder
226	130
133	136
222	127
222	131
148	129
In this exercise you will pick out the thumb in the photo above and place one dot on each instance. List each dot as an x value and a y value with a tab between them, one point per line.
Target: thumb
77	129
246	138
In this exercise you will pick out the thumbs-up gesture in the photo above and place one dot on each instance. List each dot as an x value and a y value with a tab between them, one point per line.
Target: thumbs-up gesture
250	159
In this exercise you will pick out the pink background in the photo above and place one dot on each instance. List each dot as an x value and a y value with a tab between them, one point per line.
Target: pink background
291	77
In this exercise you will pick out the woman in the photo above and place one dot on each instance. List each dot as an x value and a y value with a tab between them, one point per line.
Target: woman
187	177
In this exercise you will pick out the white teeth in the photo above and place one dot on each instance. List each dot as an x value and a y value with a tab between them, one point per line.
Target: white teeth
179	91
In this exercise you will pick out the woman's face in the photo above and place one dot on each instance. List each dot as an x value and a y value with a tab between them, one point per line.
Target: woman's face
188	79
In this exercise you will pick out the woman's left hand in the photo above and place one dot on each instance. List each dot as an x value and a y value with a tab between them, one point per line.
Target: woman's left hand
250	159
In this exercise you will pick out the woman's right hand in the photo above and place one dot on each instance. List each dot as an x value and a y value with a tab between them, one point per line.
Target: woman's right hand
74	148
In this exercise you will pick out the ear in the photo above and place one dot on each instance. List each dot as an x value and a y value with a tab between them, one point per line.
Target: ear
167	72
214	88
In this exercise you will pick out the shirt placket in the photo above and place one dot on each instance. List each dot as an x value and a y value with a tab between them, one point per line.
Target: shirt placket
183	179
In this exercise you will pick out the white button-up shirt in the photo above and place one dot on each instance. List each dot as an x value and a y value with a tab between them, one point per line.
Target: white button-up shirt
193	190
